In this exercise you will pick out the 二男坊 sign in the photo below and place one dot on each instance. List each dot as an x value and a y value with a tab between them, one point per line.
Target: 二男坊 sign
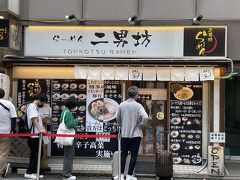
125	42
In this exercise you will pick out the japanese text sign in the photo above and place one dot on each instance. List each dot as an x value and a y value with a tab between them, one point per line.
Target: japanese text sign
217	137
132	42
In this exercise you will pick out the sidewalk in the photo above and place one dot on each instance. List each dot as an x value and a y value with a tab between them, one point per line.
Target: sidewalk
103	168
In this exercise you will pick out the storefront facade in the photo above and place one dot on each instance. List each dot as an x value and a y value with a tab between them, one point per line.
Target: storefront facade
176	84
59	54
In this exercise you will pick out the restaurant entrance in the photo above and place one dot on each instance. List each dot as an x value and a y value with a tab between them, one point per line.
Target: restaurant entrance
232	126
154	135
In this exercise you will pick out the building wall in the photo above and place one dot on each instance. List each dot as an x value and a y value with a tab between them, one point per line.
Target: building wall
150	12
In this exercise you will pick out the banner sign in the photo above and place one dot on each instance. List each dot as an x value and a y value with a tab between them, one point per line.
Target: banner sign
207	41
28	88
125	42
186	123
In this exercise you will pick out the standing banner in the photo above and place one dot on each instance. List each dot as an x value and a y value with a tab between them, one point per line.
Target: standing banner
186	123
215	161
103	99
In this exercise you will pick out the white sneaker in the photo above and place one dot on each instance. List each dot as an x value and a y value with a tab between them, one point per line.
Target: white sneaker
30	176
40	176
70	178
129	177
116	177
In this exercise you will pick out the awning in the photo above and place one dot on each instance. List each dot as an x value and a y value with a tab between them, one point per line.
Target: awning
123	61
145	73
144	65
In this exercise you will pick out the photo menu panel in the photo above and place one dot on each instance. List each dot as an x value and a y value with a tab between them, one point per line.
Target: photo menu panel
61	90
186	123
103	99
98	105
98	102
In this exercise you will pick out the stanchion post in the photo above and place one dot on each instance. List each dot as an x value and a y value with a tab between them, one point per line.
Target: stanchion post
39	154
119	152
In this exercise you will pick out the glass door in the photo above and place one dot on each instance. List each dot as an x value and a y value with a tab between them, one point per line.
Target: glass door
232	122
153	138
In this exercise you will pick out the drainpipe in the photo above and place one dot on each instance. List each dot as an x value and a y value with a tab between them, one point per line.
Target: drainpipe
196	8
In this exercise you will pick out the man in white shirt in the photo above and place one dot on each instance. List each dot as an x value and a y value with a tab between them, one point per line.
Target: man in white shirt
132	117
36	126
46	115
8	118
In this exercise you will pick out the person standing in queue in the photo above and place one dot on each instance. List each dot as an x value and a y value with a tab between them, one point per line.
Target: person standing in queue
69	151
132	117
8	118
46	115
36	126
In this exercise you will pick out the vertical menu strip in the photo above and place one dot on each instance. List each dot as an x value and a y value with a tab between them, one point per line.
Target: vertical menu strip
186	123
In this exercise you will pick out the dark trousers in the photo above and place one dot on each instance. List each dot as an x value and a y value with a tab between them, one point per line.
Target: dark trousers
132	145
33	144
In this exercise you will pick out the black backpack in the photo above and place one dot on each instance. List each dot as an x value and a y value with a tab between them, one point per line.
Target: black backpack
23	124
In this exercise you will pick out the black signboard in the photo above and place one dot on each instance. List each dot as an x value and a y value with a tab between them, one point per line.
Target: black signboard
58	90
4	33
94	147
62	89
27	88
205	41
186	123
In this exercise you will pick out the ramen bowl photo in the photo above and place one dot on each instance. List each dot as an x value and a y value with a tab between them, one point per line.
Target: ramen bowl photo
184	94
174	134
103	109
73	86
177	160
175	120
175	146
64	96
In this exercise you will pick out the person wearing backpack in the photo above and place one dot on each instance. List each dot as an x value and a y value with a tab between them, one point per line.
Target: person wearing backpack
8	118
46	114
36	126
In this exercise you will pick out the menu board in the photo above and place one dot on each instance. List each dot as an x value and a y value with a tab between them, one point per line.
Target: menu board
186	123
103	99
101	120
62	89
98	105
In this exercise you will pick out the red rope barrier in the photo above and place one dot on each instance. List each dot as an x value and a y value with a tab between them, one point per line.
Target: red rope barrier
62	135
